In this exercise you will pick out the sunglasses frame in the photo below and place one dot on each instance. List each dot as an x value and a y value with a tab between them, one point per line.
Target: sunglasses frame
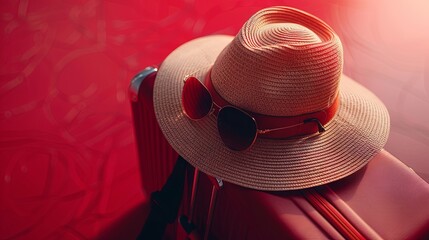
214	107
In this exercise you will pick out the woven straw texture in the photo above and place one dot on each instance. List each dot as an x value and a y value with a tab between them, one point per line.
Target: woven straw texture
357	132
285	63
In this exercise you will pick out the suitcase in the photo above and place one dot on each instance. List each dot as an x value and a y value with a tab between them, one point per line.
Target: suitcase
384	200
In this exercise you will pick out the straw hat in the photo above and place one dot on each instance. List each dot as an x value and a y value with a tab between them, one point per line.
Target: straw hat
284	63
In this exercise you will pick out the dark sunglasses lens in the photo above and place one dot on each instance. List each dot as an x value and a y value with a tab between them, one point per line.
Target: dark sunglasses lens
236	128
196	100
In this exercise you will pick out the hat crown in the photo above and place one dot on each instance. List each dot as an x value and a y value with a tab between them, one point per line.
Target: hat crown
283	62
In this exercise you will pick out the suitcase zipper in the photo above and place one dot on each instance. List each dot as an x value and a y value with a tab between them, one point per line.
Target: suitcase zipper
332	215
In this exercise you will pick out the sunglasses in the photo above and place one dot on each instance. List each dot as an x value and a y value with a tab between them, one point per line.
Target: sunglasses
237	128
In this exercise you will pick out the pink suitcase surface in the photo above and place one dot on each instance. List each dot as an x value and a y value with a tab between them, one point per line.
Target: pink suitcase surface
384	200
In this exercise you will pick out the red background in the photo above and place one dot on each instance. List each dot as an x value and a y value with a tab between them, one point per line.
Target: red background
68	165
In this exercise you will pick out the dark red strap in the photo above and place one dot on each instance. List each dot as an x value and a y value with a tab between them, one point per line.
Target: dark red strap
264	122
332	215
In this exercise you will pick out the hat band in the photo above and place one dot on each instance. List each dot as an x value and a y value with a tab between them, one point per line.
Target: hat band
299	125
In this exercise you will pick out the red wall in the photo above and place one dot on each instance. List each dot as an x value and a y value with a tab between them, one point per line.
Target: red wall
68	166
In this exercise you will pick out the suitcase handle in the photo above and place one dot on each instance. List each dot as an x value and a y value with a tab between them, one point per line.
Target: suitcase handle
186	222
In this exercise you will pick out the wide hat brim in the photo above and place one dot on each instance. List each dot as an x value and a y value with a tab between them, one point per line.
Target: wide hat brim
358	131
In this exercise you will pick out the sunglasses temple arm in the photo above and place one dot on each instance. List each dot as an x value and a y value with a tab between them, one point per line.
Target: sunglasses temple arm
320	126
280	128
